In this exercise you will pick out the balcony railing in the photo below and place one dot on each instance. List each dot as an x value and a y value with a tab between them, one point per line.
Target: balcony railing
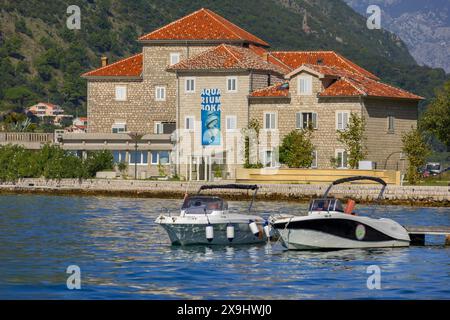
26	137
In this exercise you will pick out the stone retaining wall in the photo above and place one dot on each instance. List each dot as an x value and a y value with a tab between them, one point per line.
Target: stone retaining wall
413	195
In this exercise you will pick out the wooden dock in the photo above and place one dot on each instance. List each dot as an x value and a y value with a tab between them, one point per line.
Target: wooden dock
417	234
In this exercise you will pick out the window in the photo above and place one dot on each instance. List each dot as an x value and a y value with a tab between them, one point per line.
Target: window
121	93
189	123
160	157
119	127
270	121
174	58
190	85
306	120
305	85
231	123
314	162
341	159
342	120
159	128
160	93
391	124
139	157
232	84
119	156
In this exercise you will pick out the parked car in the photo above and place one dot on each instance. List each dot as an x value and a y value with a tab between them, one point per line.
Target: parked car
433	168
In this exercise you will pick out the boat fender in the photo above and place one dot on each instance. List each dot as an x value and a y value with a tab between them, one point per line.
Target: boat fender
253	228
350	207
267	229
209	233
230	232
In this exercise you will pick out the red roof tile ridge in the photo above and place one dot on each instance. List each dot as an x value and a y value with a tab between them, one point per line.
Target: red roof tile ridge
396	88
354	85
284	64
112	64
198	55
230	52
354	66
170	24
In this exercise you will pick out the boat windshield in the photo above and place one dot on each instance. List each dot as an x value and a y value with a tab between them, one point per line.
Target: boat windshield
198	205
326	205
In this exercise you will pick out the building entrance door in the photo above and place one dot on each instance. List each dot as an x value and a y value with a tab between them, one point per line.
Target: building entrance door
200	168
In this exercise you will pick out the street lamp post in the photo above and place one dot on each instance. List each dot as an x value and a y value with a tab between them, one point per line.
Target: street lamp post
136	137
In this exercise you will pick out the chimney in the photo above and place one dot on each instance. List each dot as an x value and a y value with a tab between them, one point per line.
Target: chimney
104	61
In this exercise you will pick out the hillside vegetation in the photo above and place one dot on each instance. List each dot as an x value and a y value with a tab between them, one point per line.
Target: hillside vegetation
40	59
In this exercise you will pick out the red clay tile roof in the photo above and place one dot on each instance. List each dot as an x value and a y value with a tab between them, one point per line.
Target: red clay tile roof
363	86
226	57
129	67
260	51
277	90
295	59
351	84
203	25
341	88
347	84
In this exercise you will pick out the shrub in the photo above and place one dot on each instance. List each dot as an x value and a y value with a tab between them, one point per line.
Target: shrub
416	151
296	151
51	162
353	139
98	161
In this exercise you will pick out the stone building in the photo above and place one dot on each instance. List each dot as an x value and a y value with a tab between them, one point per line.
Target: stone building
208	78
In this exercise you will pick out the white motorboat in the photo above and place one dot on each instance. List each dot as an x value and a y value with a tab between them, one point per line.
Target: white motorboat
206	220
330	226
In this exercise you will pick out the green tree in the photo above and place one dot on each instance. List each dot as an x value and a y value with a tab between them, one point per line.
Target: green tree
20	95
436	119
251	134
296	151
416	150
16	163
98	161
353	139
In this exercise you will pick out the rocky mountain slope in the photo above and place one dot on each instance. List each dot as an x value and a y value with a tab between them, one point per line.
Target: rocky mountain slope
424	25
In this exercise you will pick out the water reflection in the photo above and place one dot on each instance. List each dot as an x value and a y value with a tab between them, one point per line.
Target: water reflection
124	255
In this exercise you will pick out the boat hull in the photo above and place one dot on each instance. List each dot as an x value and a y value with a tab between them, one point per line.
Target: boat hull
339	231
316	240
195	234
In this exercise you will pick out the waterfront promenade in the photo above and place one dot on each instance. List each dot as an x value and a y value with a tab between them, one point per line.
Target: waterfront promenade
402	195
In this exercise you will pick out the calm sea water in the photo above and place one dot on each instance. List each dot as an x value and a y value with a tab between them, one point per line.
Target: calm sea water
124	255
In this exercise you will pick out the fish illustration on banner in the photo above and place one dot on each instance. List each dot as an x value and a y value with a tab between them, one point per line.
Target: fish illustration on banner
211	112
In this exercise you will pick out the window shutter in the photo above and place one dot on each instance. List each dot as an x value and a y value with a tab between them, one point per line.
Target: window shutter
298	120
314	120
345	121
273	125
339	126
